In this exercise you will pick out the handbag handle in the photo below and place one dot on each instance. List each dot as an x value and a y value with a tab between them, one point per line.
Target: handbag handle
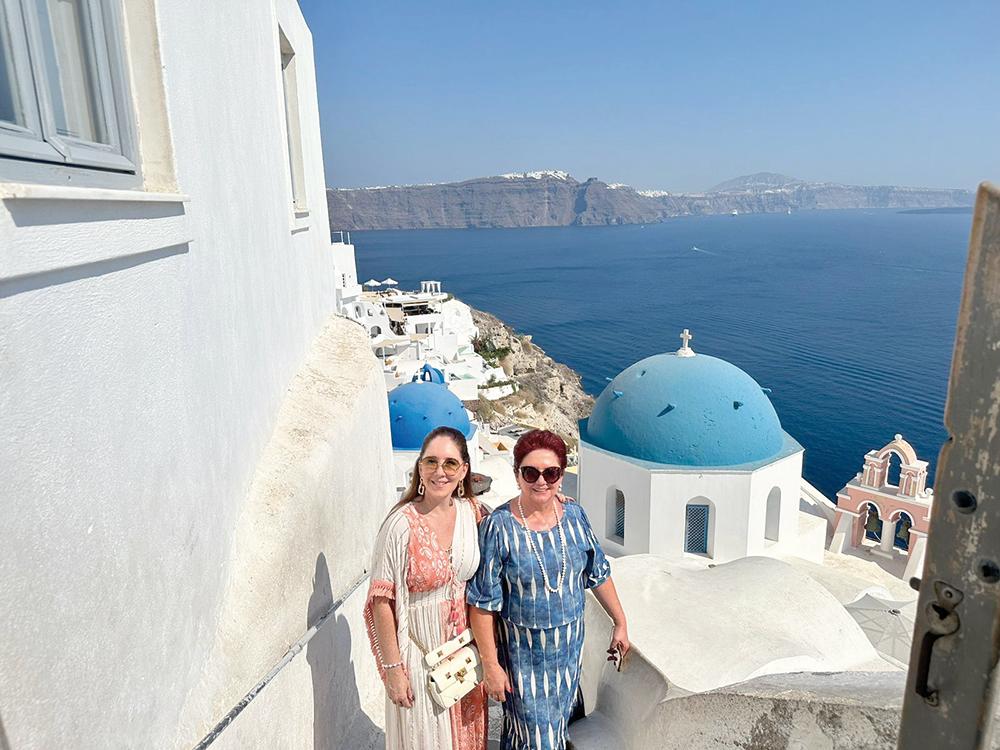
446	649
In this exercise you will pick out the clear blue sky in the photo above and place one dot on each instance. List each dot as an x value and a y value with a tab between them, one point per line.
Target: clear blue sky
668	95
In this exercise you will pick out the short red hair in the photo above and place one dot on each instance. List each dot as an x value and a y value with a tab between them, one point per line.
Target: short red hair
537	440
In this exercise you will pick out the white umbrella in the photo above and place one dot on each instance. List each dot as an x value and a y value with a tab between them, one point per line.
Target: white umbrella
390	281
372	282
888	625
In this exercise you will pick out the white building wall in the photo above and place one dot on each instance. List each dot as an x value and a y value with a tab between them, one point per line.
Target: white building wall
147	347
786	475
599	475
657	500
728	496
346	278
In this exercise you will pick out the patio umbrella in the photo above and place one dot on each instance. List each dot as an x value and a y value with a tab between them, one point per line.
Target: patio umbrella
372	282
390	281
888	625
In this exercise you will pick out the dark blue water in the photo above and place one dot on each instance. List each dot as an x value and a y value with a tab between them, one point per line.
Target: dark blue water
848	316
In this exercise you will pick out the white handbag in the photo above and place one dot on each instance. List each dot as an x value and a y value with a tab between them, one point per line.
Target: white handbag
455	669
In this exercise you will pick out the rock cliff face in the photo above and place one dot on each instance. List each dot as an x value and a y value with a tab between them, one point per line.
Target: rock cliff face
542	199
549	394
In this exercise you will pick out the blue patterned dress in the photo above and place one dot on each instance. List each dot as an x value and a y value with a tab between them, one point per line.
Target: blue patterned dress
540	633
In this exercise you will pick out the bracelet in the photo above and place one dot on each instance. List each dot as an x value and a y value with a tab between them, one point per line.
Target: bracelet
387	667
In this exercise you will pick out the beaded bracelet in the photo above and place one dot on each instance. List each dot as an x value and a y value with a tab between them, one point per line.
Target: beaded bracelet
378	647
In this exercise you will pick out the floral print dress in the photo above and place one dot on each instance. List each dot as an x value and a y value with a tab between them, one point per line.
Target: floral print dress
426	583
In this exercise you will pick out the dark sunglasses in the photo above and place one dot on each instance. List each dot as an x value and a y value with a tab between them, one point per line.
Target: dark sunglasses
551	475
449	465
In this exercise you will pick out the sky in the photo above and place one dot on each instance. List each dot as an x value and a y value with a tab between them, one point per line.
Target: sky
659	95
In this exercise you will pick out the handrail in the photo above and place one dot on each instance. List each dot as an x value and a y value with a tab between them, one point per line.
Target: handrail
292	652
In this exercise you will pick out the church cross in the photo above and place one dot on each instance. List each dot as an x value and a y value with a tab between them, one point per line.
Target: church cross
686	350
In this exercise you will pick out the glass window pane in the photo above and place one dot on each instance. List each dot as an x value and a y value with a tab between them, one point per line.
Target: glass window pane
69	57
10	105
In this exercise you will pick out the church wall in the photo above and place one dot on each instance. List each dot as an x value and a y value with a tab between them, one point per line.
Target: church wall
148	346
727	492
599	473
786	475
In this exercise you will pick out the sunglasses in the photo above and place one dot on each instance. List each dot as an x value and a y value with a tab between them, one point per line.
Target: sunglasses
551	475
449	465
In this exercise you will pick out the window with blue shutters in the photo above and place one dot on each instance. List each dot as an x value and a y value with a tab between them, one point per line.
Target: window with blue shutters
615	518
696	529
620	514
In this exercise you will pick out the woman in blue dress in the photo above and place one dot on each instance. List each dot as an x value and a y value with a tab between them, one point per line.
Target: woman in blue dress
538	557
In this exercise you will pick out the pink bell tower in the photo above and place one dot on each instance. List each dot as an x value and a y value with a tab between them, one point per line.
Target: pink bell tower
887	519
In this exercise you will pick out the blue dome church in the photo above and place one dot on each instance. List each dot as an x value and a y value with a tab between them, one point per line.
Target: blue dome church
414	410
417	408
684	454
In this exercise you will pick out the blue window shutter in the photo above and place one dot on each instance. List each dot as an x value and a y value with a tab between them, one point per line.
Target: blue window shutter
696	529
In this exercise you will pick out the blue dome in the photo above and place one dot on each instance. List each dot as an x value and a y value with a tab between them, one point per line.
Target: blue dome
417	408
687	411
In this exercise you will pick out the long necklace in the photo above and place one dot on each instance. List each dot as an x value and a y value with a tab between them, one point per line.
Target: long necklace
538	556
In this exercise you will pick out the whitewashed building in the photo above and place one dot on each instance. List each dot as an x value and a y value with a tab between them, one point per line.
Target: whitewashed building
411	330
685	455
195	448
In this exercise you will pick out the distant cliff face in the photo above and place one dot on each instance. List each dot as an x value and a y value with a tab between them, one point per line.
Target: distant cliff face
547	199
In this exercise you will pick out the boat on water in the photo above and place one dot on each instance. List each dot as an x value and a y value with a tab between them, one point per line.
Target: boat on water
734	212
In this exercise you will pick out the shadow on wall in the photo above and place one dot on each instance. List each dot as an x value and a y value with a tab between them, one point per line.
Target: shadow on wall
4	744
30	282
338	721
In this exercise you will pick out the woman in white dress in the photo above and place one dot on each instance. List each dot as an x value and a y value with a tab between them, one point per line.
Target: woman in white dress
426	551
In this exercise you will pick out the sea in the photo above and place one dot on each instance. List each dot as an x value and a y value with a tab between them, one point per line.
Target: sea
847	316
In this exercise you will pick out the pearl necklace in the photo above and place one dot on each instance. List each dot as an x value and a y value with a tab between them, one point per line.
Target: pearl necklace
531	543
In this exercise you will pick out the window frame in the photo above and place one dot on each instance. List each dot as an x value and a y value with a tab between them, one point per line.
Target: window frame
293	125
37	152
614	498
620	515
704	539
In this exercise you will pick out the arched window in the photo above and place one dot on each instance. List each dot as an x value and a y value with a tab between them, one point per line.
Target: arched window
615	517
873	524
698	527
901	538
773	518
375	331
892	469
357	311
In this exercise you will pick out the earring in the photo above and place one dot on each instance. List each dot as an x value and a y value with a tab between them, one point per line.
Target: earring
420	489
461	490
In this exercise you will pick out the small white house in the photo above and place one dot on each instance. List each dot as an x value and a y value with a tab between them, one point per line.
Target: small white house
685	455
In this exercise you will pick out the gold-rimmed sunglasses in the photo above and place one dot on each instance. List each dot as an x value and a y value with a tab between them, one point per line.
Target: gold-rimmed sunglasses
450	466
